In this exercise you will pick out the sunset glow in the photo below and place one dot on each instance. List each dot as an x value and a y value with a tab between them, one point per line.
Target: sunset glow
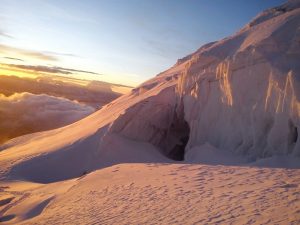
117	41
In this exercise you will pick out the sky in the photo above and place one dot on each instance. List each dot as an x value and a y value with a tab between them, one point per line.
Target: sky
117	41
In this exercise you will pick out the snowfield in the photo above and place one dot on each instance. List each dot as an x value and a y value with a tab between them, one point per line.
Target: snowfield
230	112
159	194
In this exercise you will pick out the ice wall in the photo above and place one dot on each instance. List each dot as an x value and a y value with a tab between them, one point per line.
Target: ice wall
240	94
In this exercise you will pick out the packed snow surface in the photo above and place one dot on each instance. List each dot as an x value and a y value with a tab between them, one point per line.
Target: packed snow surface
159	194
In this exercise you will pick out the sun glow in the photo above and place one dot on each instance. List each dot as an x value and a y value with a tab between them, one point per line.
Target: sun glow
6	70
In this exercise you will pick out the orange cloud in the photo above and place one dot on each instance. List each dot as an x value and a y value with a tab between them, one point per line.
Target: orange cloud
43	69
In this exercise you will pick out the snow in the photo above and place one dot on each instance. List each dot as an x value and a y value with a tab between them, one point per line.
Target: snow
232	105
207	154
244	90
276	11
160	194
120	89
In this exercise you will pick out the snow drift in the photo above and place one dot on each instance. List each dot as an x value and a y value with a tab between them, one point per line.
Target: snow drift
239	95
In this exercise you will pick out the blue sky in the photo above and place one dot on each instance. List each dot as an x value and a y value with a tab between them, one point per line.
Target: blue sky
124	41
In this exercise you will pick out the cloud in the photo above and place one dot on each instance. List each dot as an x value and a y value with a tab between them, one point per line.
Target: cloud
43	69
79	71
5	49
24	113
92	93
48	69
12	58
4	34
42	55
62	54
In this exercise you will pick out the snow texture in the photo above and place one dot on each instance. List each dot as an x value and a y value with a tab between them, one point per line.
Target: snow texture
170	194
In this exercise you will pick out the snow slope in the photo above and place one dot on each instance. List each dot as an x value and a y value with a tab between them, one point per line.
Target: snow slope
171	194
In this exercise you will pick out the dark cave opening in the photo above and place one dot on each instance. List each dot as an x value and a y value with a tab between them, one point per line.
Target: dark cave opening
293	134
178	151
295	138
179	134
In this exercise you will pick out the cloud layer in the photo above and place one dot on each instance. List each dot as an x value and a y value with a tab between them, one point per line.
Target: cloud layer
5	49
43	69
24	113
92	93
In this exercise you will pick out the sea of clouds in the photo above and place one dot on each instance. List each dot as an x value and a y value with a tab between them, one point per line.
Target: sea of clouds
23	113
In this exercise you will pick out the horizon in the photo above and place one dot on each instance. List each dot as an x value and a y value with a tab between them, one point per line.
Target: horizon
112	41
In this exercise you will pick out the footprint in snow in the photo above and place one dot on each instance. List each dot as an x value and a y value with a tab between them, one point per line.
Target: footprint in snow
289	186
